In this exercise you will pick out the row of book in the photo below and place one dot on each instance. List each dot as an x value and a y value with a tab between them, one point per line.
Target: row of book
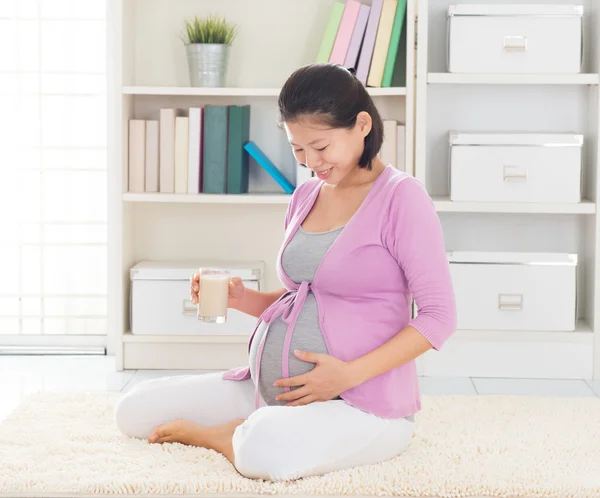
208	151
198	151
393	148
365	38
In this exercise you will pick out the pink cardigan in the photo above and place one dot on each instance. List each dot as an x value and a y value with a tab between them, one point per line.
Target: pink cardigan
391	250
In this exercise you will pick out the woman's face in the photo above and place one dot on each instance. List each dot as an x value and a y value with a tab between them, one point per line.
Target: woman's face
331	153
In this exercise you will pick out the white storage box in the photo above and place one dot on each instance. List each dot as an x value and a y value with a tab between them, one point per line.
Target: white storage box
514	291
509	39
524	167
160	299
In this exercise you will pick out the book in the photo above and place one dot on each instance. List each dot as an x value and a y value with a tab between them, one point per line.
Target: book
382	43
331	29
152	152
263	161
167	151
344	33
401	150
181	154
303	174
389	148
366	52
390	60
214	166
237	158
357	37
194	146
137	154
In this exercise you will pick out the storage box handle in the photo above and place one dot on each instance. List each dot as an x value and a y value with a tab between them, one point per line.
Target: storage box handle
515	173
515	44
510	302
189	308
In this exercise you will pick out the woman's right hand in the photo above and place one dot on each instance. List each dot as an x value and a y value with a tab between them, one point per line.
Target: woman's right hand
236	290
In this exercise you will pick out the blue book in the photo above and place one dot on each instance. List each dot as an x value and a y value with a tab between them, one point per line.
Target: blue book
260	157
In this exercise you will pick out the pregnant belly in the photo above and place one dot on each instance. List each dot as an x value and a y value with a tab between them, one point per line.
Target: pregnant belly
307	337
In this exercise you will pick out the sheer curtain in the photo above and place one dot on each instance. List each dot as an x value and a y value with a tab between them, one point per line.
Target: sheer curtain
53	182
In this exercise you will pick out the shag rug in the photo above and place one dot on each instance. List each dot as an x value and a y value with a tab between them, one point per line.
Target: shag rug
59	445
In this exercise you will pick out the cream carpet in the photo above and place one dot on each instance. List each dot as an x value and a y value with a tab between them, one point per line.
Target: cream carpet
58	445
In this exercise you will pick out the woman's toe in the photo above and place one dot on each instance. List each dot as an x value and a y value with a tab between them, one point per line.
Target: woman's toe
167	432
160	432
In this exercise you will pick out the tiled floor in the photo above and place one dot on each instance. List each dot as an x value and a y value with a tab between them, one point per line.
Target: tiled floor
23	375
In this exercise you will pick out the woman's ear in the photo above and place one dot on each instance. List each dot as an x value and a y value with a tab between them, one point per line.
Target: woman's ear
364	123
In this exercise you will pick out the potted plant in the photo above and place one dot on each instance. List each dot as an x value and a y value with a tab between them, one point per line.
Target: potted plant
207	42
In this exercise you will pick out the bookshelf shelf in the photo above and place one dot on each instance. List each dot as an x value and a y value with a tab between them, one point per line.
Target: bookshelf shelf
282	199
445	205
513	79
583	333
237	91
186	339
442	204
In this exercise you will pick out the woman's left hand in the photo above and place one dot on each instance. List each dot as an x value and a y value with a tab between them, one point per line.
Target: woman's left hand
327	380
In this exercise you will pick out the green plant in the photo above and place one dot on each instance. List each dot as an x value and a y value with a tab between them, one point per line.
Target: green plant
213	29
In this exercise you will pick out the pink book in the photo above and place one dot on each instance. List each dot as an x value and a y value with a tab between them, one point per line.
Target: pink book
364	60
357	36
344	34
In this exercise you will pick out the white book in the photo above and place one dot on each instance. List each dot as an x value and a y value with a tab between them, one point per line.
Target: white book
302	174
137	153
167	150
401	150
194	144
182	132
152	152
388	153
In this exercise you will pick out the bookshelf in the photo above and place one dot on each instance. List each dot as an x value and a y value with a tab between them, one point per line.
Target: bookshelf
149	71
513	103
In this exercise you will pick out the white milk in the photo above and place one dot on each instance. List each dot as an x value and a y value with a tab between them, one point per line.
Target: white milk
213	296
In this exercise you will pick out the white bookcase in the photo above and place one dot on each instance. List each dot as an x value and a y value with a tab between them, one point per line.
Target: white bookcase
276	37
149	71
512	103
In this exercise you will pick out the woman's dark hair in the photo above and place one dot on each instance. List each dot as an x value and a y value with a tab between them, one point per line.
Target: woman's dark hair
332	94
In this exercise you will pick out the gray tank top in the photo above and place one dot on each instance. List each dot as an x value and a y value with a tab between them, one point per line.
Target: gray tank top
300	261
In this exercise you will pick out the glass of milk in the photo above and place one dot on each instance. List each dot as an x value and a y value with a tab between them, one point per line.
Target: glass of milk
213	295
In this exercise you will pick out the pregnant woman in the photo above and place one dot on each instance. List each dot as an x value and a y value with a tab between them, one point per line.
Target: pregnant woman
331	381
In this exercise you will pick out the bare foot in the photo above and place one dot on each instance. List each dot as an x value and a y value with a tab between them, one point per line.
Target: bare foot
179	431
183	431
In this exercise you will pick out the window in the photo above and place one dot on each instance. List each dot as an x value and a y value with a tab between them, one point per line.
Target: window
53	167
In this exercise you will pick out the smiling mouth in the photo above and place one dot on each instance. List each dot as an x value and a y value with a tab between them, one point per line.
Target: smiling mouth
325	171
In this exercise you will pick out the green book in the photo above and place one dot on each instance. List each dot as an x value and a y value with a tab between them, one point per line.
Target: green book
237	157
214	173
390	60
335	17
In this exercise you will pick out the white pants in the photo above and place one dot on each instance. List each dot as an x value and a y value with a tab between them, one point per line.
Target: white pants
275	442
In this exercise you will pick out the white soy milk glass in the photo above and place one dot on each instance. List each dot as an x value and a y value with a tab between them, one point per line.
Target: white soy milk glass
213	295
